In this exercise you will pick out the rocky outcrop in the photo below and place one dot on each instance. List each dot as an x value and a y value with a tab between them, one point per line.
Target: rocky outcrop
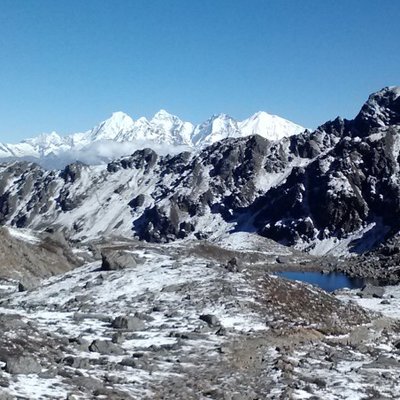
38	257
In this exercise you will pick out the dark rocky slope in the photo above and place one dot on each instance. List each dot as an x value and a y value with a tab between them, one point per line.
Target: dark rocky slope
328	184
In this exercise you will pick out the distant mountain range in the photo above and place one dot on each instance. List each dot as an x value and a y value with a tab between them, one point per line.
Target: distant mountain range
120	135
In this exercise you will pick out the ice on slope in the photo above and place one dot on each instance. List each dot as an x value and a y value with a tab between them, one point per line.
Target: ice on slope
25	235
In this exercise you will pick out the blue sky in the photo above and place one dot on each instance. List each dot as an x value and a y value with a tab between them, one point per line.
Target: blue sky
66	65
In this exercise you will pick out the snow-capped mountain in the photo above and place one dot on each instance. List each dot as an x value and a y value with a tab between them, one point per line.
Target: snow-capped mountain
337	186
262	122
216	128
164	132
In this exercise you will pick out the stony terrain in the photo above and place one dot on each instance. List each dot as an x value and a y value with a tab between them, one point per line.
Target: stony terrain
193	320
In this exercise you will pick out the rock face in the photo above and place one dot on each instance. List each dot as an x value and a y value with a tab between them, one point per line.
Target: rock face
336	184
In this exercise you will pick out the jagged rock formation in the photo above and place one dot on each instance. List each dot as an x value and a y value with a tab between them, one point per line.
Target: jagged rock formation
317	190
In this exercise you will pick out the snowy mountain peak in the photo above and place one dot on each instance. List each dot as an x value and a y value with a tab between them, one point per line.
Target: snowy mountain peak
119	115
222	116
216	128
45	139
269	126
111	127
142	120
395	90
165	119
163	114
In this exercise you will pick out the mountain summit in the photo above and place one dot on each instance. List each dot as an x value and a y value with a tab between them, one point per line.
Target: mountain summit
381	109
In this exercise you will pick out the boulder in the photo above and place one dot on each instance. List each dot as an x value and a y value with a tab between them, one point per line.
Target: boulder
372	291
22	365
27	284
114	260
211	320
128	323
76	362
105	347
233	265
81	343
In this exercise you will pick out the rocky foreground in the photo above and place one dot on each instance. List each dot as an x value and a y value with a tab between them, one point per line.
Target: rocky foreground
194	320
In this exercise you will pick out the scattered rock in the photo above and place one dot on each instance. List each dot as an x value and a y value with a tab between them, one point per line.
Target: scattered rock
81	343
28	284
87	383
383	362
117	338
129	362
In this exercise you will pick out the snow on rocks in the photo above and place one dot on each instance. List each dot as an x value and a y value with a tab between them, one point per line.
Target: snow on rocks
179	325
166	295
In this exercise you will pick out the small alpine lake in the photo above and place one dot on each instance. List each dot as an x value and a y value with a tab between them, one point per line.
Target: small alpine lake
328	282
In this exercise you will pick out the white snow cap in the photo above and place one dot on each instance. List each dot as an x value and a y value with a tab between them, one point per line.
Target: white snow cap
269	126
163	129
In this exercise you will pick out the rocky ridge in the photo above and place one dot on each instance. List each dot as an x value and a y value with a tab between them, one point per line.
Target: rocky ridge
329	191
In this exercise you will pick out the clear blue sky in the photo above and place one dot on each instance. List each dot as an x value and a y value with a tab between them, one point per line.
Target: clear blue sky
66	65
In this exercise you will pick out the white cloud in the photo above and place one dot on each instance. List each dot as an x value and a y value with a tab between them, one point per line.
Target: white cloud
101	152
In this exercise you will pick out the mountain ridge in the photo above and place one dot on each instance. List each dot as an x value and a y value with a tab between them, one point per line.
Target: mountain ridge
333	190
